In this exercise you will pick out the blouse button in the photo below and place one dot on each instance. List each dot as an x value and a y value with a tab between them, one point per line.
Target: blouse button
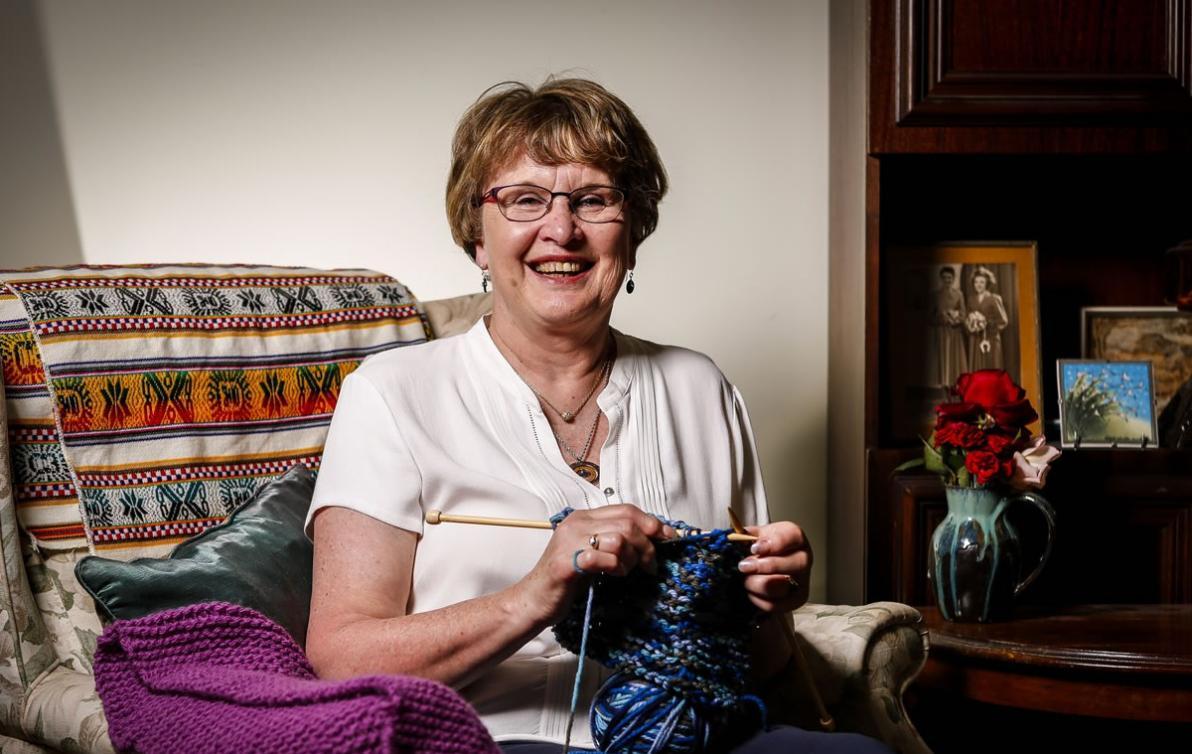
609	491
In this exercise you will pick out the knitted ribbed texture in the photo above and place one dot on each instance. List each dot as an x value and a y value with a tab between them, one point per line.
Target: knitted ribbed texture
217	677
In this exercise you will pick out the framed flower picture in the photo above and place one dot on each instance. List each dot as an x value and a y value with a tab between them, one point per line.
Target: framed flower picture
1106	404
952	308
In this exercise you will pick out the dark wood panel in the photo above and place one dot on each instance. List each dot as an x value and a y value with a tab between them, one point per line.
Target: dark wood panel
1097	37
1124	530
1091	76
966	62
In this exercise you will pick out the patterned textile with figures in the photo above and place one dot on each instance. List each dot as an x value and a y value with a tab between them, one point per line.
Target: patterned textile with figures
174	392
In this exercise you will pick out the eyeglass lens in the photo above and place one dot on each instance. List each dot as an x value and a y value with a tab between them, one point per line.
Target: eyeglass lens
594	204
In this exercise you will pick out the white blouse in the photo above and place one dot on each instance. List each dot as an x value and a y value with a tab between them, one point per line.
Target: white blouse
450	425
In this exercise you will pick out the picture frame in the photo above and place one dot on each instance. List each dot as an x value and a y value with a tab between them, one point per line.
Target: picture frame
940	322
1161	335
1106	404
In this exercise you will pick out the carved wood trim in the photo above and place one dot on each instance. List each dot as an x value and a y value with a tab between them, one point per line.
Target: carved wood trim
930	92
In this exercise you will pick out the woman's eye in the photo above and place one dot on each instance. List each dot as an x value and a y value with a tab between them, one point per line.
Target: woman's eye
591	200
528	200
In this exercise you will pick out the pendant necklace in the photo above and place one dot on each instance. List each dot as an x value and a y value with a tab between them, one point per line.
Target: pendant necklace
569	416
584	469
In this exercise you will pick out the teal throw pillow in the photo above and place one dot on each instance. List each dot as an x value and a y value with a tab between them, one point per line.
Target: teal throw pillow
259	557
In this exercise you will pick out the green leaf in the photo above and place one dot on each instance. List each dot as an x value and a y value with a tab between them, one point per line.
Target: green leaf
933	461
962	477
911	464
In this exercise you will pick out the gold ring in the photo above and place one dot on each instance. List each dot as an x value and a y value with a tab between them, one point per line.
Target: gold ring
594	541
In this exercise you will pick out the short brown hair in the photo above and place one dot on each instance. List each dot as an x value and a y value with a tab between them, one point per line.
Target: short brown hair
562	121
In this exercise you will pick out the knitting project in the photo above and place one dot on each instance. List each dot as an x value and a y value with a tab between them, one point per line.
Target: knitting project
217	677
679	642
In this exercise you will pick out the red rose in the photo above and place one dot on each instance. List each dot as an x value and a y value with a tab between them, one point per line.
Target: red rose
988	388
960	435
1000	445
1015	415
983	465
956	412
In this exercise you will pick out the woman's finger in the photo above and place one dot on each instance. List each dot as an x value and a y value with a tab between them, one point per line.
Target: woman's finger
639	519
793	564
592	562
776	593
777	538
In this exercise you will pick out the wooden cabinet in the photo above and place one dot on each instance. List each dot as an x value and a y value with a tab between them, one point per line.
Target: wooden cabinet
1068	123
1007	76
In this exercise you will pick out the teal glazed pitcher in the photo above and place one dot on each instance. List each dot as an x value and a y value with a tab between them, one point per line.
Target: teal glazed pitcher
976	558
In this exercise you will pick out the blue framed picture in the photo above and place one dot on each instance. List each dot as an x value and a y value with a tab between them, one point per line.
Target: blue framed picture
1106	404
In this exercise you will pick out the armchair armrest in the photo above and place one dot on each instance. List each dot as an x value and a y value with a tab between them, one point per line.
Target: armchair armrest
861	659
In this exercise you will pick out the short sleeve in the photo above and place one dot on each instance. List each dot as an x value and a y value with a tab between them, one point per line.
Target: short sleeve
367	465
749	502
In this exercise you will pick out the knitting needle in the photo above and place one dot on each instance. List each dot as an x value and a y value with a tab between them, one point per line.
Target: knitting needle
825	720
436	517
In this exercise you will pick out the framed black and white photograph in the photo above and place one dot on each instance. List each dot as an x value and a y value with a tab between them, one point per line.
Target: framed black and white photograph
1161	335
953	308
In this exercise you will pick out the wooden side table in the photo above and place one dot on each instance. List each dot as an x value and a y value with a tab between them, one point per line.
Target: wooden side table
1129	662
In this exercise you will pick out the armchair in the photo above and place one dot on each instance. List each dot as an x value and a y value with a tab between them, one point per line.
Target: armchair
861	658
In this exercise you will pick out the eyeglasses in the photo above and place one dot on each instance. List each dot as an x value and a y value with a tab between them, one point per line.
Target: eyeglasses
525	202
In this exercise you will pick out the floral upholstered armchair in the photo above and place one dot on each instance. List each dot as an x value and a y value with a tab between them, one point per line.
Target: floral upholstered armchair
81	385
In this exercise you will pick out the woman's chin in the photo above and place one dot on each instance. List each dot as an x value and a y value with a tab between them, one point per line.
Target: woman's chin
565	311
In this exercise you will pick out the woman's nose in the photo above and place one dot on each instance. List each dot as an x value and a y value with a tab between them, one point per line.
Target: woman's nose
559	224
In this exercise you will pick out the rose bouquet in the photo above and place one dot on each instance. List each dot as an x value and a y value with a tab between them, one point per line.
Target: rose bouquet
981	439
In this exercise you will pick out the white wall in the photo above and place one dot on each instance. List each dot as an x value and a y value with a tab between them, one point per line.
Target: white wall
317	133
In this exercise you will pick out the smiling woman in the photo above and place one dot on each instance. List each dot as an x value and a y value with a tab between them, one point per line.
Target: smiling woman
552	191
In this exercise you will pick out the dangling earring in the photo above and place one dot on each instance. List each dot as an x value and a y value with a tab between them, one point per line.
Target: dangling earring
629	286
484	280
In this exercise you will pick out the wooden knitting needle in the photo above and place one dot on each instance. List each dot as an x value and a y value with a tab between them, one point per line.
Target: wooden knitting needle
437	517
825	720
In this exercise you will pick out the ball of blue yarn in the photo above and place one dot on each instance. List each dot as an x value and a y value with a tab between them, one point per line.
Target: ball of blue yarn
631	715
679	641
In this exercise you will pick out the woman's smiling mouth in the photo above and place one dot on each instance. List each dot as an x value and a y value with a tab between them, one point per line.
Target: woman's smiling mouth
561	270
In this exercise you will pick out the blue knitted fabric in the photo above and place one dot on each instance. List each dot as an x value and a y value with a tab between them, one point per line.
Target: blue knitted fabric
679	640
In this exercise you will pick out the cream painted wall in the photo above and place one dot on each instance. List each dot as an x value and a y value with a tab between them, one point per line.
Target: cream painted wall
316	133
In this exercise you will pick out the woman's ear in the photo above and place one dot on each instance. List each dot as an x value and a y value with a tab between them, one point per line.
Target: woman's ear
481	255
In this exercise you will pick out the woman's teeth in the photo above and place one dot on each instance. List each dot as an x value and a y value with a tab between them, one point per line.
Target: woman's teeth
569	268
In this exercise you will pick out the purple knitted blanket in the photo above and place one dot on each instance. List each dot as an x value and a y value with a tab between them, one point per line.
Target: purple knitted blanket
217	677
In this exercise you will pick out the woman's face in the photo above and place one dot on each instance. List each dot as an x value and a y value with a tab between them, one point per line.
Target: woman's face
980	283
557	271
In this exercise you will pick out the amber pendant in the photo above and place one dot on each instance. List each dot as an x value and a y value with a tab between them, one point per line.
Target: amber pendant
587	471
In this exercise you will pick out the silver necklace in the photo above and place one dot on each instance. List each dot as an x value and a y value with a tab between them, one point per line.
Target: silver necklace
569	416
586	470
566	416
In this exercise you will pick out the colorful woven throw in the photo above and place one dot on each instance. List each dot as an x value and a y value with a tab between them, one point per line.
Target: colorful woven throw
146	403
679	642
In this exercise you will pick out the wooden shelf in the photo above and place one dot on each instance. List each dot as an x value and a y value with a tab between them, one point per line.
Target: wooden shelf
1130	662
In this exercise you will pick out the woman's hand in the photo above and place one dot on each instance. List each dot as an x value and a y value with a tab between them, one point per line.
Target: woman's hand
778	572
613	539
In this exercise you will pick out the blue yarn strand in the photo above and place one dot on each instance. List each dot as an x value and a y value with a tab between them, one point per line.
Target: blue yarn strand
579	670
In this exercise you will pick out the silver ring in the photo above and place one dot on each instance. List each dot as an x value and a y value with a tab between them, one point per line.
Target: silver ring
575	562
794	583
594	541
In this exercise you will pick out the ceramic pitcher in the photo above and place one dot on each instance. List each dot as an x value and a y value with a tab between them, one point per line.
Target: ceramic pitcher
975	560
